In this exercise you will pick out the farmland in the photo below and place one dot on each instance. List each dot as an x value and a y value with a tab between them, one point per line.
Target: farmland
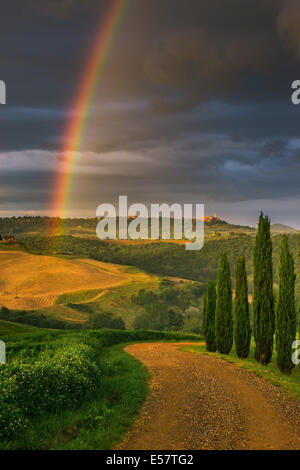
32	282
69	289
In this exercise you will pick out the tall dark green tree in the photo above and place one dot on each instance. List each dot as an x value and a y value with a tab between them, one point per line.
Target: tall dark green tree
241	322
263	297
204	313
285	309
210	335
224	323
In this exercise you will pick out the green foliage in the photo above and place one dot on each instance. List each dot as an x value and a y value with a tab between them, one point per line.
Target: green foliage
204	313
165	282
63	373
224	324
105	320
49	373
263	298
4	313
164	309
37	319
7	328
210	312
193	320
77	296
85	226
285	309
193	325
167	259
145	297
241	327
158	317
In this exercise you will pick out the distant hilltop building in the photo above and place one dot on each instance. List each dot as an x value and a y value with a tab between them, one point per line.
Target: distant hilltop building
209	218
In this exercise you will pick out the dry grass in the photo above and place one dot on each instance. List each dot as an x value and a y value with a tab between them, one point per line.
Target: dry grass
32	282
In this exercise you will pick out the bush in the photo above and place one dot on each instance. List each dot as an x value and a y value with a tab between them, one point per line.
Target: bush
4	313
51	372
106	320
158	317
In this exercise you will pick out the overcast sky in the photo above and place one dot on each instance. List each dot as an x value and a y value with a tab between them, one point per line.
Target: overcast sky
194	106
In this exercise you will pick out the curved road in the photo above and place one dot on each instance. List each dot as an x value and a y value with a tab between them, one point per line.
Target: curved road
200	402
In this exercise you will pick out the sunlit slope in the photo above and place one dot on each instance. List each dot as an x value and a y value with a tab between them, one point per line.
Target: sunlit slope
31	282
9	328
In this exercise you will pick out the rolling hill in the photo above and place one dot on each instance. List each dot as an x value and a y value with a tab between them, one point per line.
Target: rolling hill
31	282
9	328
69	290
280	228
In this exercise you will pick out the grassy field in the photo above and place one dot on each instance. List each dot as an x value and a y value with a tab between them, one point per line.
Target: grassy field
31	282
72	390
70	289
289	383
116	300
9	328
79	296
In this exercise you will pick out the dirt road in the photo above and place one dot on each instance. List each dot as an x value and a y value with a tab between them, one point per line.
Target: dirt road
199	402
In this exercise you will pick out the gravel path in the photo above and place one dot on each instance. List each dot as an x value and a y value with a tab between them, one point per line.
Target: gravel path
200	402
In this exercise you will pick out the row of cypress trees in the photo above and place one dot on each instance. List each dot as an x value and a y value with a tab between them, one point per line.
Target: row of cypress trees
221	326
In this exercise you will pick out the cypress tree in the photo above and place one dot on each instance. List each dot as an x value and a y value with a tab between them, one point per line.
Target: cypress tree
263	298
224	323
204	313
285	309
241	324
210	336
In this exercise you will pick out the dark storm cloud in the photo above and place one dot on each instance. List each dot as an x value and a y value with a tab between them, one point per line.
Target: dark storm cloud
288	24
194	102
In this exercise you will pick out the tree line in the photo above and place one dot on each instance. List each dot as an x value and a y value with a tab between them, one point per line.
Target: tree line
225	321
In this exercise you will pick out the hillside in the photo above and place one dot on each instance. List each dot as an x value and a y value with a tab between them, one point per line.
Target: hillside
279	228
31	282
86	228
9	328
167	259
57	292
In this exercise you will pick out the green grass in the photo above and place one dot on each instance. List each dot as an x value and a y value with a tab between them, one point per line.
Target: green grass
77	296
104	423
8	328
289	383
118	300
99	422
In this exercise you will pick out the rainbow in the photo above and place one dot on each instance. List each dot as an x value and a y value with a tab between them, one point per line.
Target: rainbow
88	86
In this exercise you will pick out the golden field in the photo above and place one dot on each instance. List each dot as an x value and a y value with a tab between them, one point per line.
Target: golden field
31	282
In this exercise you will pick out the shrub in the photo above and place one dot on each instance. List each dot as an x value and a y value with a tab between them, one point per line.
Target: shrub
50	372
